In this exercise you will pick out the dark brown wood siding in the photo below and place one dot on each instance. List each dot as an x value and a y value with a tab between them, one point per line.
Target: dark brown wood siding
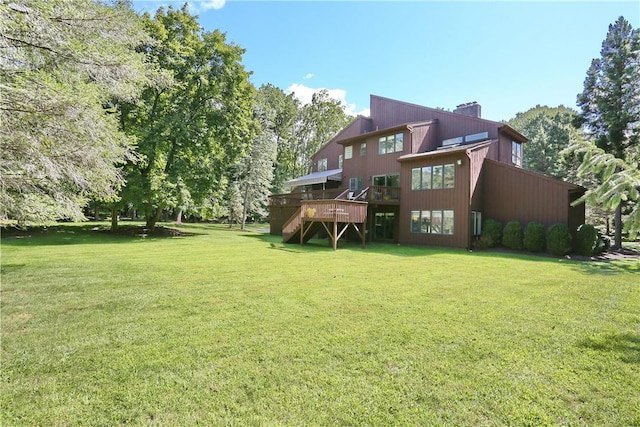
372	163
387	113
424	137
476	158
456	199
511	193
331	152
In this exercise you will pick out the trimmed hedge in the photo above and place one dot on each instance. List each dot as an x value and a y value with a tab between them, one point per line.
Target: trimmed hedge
534	237
491	233
586	240
512	235
558	240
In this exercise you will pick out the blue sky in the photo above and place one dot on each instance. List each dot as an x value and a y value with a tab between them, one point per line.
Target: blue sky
508	56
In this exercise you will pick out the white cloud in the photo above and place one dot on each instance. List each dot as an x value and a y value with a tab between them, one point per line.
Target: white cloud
308	76
304	94
212	4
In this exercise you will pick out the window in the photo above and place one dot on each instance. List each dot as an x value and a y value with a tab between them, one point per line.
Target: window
322	165
516	153
391	144
340	160
355	184
449	176
363	149
432	222
433	177
387	180
476	137
348	151
476	223
452	141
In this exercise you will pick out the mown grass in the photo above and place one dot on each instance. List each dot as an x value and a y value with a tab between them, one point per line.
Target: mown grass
223	327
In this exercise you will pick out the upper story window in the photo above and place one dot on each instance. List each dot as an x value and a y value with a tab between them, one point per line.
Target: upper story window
391	144
322	165
433	177
480	136
348	151
452	141
363	149
516	153
340	161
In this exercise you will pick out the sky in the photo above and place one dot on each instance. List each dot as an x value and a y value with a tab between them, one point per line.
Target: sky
508	56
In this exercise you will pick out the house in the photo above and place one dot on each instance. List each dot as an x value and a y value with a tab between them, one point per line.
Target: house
417	175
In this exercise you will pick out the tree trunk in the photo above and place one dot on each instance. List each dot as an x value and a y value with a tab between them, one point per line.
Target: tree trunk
244	208
618	227
114	218
179	217
154	218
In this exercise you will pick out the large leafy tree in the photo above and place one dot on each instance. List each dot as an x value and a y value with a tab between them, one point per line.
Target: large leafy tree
610	102
189	129
318	122
550	131
62	64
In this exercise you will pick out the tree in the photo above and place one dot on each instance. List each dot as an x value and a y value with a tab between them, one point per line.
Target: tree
281	112
62	64
610	102
550	131
191	129
255	172
318	122
620	181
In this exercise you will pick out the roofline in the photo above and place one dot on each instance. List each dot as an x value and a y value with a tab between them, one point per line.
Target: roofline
571	186
403	126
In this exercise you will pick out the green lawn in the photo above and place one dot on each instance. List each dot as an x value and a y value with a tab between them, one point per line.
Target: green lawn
223	327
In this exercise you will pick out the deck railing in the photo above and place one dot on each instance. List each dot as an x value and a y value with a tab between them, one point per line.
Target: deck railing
334	210
375	193
380	194
294	199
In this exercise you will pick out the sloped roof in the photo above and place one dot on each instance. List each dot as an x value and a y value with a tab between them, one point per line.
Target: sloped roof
316	178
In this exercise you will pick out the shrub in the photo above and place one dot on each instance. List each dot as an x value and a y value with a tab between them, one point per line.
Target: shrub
534	237
586	240
492	232
482	242
512	235
558	240
603	244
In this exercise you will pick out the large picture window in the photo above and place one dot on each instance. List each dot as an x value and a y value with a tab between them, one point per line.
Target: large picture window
433	177
432	222
391	144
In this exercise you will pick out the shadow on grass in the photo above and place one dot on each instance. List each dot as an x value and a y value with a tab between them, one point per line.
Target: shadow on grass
627	346
610	267
74	234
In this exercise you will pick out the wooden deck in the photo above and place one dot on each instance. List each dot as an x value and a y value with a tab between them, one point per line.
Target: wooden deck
334	215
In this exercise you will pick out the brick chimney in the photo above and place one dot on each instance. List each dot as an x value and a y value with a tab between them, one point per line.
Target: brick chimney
472	109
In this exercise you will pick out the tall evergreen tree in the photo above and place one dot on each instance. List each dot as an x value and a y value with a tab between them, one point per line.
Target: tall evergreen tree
610	102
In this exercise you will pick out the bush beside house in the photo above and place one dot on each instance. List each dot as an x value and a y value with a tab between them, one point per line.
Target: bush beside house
534	237
558	240
586	240
512	235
